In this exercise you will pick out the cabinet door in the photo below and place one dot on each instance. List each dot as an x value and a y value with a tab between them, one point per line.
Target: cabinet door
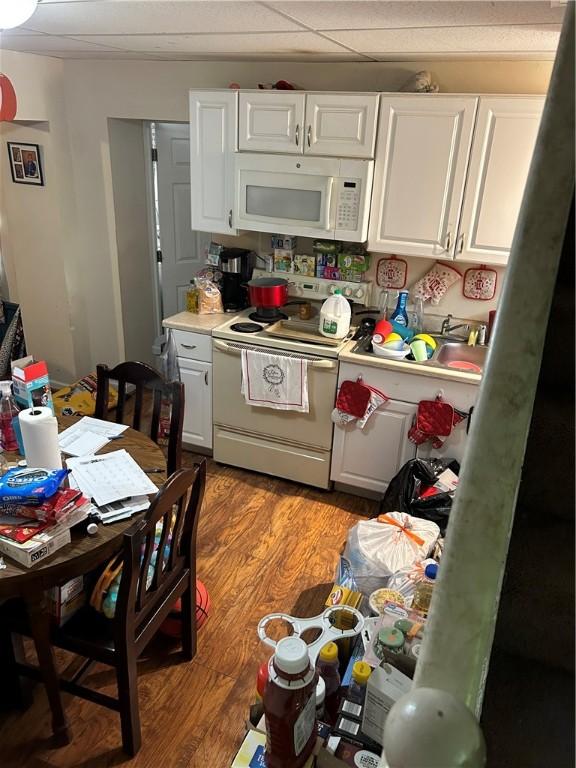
341	124
212	145
271	121
421	159
197	379
369	458
504	140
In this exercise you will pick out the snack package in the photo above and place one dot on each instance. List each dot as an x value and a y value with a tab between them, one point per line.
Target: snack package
209	297
30	486
79	399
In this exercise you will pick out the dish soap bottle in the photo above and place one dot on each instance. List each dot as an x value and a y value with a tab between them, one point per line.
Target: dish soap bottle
8	411
335	316
400	315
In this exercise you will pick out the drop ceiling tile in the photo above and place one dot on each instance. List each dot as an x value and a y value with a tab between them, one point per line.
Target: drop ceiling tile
288	43
157	16
363	14
381	44
46	44
268	57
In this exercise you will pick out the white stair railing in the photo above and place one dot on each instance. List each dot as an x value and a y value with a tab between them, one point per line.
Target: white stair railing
435	725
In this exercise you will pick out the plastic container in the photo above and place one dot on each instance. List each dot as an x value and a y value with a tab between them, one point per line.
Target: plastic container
320	698
8	411
361	671
400	315
192	298
424	590
389	639
335	316
328	668
290	705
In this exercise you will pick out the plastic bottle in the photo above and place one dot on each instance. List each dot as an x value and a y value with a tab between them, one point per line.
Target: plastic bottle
361	671
290	705
400	315
335	316
320	698
8	411
192	298
424	589
327	668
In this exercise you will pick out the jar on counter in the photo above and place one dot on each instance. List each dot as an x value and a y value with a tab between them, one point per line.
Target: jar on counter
192	298
389	639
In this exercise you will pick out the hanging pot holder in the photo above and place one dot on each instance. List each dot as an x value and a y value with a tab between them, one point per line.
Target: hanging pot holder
480	283
391	273
353	398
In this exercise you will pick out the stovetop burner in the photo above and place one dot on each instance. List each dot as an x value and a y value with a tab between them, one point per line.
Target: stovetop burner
246	327
263	315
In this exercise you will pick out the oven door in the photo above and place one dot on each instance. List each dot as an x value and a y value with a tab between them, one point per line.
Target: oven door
313	429
286	195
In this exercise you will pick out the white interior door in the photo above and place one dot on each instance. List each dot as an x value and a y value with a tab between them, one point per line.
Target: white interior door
182	248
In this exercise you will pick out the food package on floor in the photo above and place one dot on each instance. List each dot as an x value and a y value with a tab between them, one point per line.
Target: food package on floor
405	580
396	633
209	297
304	265
30	383
385	686
251	753
378	548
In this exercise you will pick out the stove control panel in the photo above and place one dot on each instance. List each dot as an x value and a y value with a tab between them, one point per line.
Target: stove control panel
318	289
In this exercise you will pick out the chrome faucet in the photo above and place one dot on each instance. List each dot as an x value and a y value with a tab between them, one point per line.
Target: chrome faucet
447	329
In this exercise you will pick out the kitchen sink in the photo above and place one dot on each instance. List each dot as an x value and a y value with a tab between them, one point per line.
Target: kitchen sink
451	354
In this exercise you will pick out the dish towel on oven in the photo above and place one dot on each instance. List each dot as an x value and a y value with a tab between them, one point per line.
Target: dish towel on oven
275	381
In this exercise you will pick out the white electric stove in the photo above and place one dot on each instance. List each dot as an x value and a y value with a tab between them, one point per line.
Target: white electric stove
286	444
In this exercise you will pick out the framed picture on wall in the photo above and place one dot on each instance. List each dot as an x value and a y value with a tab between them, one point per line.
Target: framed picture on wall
25	163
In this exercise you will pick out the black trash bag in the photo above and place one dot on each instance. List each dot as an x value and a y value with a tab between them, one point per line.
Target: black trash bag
402	495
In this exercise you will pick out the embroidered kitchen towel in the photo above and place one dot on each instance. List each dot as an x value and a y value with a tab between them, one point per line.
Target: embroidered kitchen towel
275	381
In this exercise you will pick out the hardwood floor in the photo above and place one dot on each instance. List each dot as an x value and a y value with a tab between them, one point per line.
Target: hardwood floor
264	545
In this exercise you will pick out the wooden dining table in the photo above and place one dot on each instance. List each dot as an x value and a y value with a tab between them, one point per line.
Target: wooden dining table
83	554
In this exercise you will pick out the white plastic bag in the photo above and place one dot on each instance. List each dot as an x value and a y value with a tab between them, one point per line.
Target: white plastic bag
378	548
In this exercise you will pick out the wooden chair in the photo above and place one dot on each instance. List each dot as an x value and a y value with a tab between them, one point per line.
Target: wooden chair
143	377
148	589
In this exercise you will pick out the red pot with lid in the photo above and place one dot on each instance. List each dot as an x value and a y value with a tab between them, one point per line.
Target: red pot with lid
268	292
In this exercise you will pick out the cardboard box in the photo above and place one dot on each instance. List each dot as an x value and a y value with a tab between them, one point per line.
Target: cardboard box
283	260
347	755
31	384
251	753
37	548
283	242
65	600
385	686
304	265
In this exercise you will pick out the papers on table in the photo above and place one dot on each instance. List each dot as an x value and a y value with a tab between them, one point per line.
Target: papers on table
88	435
119	510
110	477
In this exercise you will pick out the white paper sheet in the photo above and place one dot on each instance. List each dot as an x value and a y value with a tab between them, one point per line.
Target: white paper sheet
88	435
110	477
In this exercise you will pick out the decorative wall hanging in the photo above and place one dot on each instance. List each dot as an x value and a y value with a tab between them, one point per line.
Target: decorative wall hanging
480	283
391	273
25	164
8	101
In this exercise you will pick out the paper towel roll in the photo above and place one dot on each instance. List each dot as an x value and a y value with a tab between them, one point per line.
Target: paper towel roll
40	437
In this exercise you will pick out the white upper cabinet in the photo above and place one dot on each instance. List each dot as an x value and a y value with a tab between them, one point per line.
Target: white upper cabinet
341	124
213	131
271	121
421	160
504	139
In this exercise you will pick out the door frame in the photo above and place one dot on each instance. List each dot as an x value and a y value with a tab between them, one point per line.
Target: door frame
156	308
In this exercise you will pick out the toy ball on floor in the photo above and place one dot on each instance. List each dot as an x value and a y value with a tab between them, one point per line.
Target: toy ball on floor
172	626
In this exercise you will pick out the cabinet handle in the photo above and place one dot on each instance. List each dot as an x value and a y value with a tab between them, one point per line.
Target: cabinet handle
297	137
308	135
230	218
460	246
206	378
189	346
448	241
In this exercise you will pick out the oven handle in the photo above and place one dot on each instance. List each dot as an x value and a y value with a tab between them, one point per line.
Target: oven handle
324	364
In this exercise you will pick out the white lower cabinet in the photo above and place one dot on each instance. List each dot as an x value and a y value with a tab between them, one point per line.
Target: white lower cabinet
197	379
367	459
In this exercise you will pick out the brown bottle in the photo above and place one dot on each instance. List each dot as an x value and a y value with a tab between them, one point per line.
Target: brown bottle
290	705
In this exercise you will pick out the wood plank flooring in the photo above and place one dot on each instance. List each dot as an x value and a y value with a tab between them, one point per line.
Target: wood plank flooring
264	545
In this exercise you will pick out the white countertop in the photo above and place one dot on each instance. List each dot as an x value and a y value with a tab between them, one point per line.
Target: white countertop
347	356
188	321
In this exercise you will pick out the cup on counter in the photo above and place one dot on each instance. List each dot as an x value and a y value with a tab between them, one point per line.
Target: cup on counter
305	311
418	347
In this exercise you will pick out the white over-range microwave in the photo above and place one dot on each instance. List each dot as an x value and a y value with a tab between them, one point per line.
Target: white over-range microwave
325	197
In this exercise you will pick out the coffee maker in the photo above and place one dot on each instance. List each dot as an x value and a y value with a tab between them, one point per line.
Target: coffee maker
236	265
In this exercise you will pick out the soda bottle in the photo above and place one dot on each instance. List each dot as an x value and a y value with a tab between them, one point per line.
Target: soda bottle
8	411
